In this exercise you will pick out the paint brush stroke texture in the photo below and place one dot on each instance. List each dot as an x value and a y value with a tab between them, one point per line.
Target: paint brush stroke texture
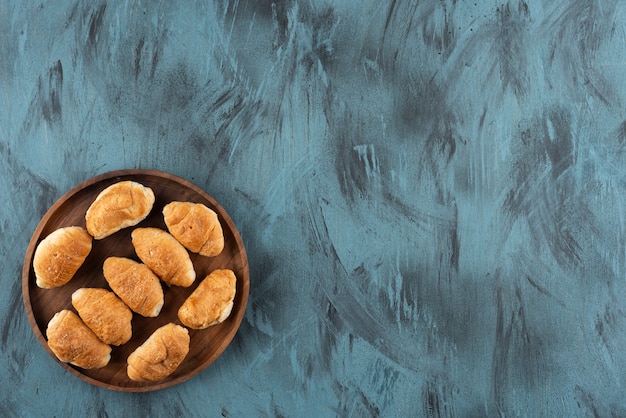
431	194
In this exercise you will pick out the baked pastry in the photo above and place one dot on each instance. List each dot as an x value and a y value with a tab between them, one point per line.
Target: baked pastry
211	302
105	314
73	342
159	355
135	284
58	257
165	256
118	206
195	226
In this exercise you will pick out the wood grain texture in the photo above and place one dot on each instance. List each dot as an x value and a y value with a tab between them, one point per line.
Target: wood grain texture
69	210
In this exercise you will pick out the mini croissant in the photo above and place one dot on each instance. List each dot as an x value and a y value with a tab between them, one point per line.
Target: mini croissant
59	256
135	284
118	206
195	226
211	302
165	256
73	342
105	314
160	355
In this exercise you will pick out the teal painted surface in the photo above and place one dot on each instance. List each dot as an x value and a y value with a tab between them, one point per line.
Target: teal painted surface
431	194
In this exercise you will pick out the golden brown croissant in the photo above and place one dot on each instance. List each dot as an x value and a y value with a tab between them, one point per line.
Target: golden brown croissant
118	206
105	314
164	256
73	342
159	355
59	256
195	226
135	284
211	302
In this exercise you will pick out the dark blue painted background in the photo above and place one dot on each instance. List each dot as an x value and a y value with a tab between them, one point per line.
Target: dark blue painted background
431	194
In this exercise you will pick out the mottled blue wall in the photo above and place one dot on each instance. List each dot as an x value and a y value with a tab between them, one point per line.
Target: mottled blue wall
431	194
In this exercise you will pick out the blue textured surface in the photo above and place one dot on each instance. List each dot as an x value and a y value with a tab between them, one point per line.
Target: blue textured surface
431	194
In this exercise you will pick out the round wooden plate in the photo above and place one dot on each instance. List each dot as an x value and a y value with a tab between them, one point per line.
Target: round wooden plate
205	346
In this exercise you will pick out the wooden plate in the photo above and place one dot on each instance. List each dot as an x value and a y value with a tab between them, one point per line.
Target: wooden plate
205	346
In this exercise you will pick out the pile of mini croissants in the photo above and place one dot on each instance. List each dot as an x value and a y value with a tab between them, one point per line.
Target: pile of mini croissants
103	317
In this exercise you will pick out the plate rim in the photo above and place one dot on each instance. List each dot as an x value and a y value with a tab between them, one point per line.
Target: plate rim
36	234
